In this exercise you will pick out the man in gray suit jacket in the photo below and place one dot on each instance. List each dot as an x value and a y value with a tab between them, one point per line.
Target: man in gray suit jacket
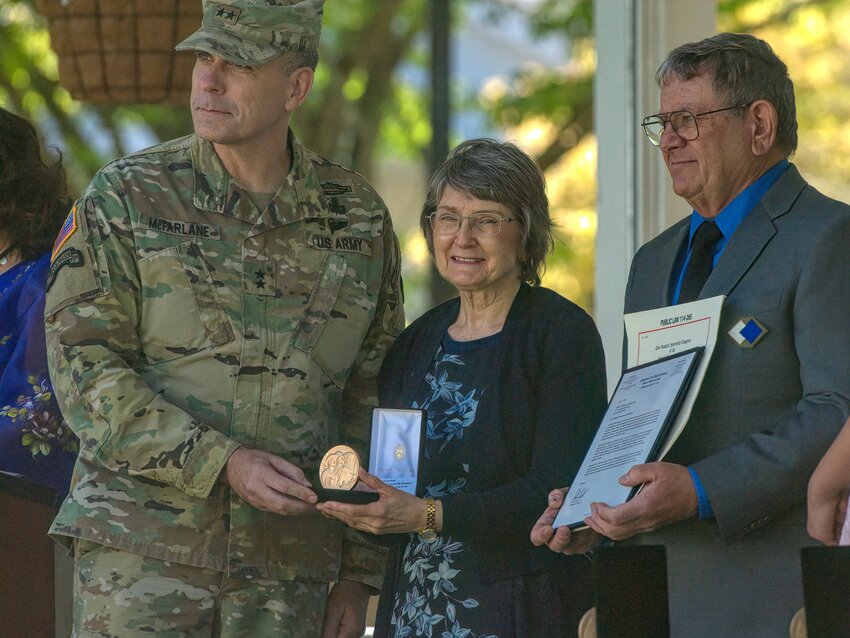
728	500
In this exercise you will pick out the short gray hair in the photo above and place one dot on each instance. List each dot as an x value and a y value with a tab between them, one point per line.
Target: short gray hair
499	172
295	59
745	69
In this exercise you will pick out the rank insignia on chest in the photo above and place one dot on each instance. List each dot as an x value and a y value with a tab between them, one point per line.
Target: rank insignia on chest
329	223
259	278
343	243
747	332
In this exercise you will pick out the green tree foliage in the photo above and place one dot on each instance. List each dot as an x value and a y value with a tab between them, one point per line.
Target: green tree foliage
88	135
554	107
811	36
357	94
563	95
356	90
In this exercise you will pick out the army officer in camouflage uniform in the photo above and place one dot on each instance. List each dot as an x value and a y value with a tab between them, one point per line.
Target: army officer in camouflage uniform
218	310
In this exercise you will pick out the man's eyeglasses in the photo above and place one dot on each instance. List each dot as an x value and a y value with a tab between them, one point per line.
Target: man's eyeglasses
684	123
485	224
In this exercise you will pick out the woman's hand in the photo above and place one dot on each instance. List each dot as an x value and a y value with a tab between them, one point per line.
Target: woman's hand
394	512
827	501
563	540
826	514
828	491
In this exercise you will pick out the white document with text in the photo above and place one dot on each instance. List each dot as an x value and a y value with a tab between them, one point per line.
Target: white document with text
641	411
654	334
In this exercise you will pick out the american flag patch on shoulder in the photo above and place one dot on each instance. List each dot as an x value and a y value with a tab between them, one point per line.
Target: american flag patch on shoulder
68	229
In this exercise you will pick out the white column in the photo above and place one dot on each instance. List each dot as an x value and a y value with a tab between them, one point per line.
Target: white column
614	117
635	201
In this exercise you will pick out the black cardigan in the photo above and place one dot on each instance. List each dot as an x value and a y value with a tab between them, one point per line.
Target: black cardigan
547	401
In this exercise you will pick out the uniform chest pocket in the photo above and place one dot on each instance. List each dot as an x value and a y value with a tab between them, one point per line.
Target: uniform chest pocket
181	309
335	320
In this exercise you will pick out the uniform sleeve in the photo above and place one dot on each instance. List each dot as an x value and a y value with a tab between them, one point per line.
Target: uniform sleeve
92	317
362	560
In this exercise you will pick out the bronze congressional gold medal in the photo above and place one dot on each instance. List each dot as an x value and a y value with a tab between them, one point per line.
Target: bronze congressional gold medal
339	467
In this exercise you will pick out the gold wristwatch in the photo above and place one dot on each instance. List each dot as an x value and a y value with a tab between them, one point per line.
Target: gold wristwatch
429	532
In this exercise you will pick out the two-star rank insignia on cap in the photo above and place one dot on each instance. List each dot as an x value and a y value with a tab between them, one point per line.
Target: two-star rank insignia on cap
747	332
227	13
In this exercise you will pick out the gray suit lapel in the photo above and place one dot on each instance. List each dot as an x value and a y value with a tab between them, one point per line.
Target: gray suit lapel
653	265
753	234
742	250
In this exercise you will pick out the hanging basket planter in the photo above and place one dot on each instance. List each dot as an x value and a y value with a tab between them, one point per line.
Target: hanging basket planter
122	51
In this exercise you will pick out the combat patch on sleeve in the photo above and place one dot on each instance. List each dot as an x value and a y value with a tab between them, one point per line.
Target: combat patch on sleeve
74	274
68	257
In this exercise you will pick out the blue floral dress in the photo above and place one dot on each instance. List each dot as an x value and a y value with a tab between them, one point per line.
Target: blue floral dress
437	592
35	442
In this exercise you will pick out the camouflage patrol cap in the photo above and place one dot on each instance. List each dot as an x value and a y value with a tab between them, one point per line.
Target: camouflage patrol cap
254	32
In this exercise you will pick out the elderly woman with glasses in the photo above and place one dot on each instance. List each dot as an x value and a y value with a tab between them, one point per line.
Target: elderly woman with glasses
511	378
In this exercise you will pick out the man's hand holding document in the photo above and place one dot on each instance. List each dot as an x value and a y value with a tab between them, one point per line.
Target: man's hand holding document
668	353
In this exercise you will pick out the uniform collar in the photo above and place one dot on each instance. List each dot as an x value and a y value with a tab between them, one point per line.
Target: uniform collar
299	194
